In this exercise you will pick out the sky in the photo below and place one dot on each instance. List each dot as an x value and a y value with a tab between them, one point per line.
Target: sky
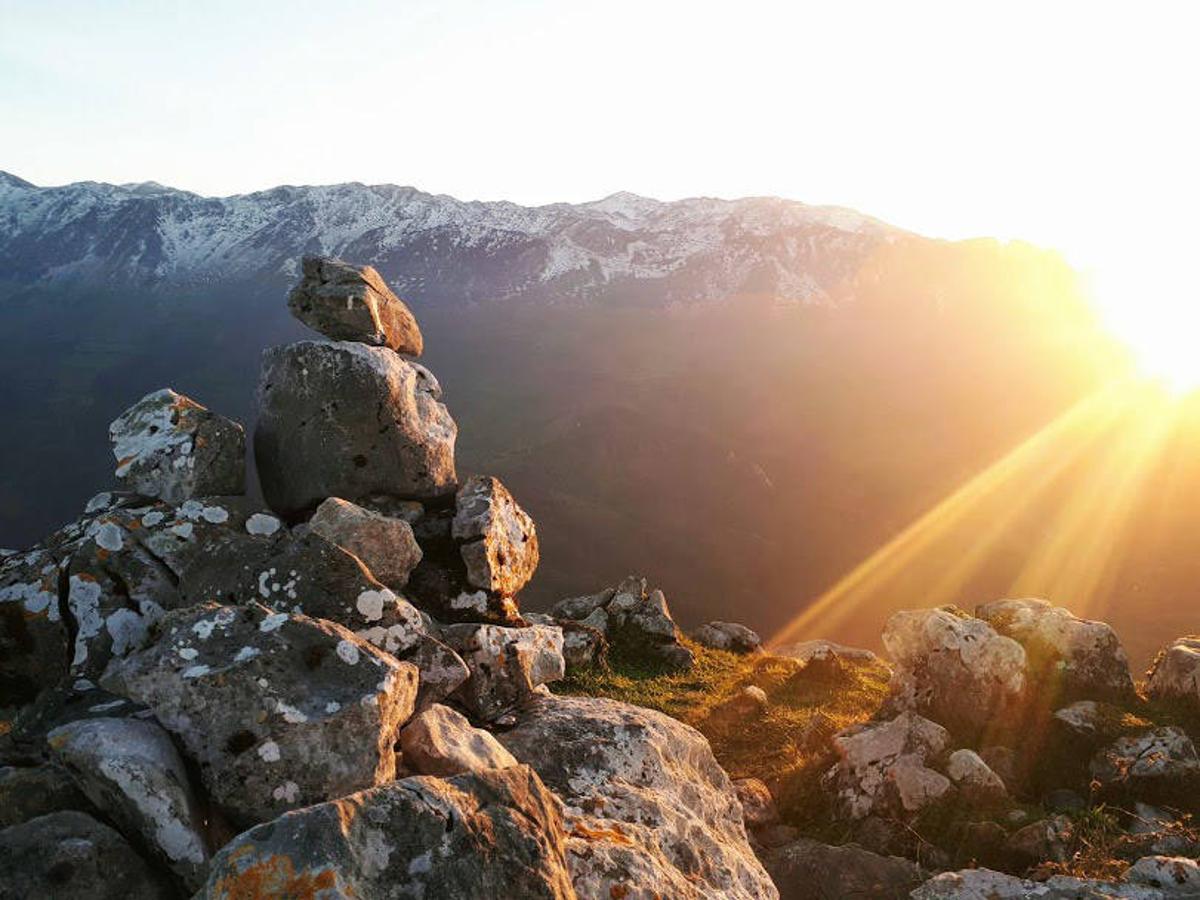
1072	125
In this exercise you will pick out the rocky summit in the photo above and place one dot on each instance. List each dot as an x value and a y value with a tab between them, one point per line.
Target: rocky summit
341	696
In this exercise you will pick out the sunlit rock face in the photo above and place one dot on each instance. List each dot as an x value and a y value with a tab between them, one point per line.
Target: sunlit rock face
499	541
442	742
352	303
385	544
169	446
1175	674
494	833
648	810
1160	765
279	710
506	664
1068	658
317	438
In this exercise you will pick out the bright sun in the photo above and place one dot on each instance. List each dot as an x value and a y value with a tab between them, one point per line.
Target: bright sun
1152	314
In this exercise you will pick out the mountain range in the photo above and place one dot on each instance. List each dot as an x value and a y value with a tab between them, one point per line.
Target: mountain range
624	249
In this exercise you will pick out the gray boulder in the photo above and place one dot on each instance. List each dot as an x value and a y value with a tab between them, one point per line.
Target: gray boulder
279	710
809	870
348	420
441	741
976	782
27	792
493	833
70	856
499	541
353	303
1075	658
730	636
33	635
131	771
169	446
385	545
506	664
649	812
1156	766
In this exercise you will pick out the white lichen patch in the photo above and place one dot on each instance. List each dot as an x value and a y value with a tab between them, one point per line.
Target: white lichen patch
183	530
217	515
332	706
127	630
370	604
103	500
287	792
196	671
152	518
272	622
83	599
188	653
269	751
263	524
246	653
475	602
109	537
290	714
347	651
204	628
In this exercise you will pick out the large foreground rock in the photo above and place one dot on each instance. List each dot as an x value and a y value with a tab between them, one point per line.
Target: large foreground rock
347	420
279	710
353	303
491	834
499	540
1067	657
954	669
71	856
131	771
169	446
809	870
649	812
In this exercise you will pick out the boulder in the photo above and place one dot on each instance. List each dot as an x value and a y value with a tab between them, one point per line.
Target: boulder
758	806
499	544
1175	874
33	635
169	446
506	664
279	710
809	870
1151	879
729	636
584	647
385	545
747	704
1047	840
640	625
27	792
1068	658
352	303
441	741
492	833
976	782
130	770
70	856
348	420
1175	672
1159	765
820	649
649	811
884	767
442	671
954	669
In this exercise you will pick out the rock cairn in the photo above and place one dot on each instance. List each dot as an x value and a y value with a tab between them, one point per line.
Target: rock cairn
338	695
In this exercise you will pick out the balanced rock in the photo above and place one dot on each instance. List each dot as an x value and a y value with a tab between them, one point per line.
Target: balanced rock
506	664
499	540
353	303
1072	657
129	769
70	856
169	446
1175	673
33	635
279	710
385	545
441	741
348	420
730	636
885	767
954	669
649	811
492	833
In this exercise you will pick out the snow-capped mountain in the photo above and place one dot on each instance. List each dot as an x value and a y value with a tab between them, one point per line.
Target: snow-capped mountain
624	248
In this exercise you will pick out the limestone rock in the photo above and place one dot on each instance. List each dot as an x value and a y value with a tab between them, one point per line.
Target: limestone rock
131	771
33	636
985	884
1175	673
442	671
499	540
71	856
758	806
352	303
69	701
279	710
169	446
27	792
493	833
385	545
348	420
1075	658
954	669
976	782
1171	873
746	705
1159	765
808	870
441	741
506	664
649	811
1047	840
730	636
584	647
883	767
580	608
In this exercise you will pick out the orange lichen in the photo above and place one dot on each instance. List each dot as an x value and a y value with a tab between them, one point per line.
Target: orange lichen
275	876
613	834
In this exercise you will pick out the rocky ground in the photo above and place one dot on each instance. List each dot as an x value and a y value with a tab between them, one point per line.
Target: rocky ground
340	696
